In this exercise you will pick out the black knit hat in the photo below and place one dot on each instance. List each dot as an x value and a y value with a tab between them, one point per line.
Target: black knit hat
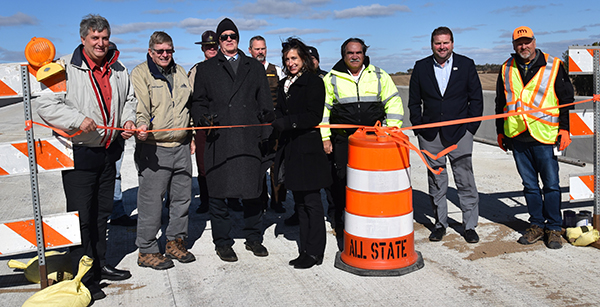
227	24
313	52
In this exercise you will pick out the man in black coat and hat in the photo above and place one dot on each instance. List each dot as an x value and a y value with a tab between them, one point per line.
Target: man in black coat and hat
232	89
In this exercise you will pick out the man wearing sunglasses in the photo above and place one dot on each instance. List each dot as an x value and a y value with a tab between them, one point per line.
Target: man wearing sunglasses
232	89
162	158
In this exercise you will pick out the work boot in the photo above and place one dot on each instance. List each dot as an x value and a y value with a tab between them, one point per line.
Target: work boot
175	249
533	234
553	239
156	261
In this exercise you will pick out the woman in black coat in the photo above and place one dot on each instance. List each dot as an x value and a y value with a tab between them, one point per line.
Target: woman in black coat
300	159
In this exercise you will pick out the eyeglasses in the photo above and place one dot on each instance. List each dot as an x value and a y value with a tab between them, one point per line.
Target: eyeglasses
161	51
224	37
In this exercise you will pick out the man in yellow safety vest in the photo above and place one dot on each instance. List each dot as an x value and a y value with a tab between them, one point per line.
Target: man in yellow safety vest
531	80
358	93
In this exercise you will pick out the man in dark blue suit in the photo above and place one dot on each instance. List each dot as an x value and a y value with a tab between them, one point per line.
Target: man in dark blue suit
445	86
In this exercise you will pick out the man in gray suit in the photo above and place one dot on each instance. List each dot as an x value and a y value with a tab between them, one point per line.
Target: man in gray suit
445	86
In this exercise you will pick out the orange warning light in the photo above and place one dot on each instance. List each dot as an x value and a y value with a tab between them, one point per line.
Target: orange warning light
39	51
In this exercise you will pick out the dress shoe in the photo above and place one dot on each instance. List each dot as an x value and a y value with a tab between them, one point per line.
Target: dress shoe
257	248
278	207
226	253
123	221
292	220
294	261
96	291
308	262
203	208
437	234
471	236
111	273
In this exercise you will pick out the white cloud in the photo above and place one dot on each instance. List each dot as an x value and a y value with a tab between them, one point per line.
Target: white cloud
120	41
517	10
141	26
18	19
317	15
316	2
11	56
198	26
373	10
284	9
134	50
327	39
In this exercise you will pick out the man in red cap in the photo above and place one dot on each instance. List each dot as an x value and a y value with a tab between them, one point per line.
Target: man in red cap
529	80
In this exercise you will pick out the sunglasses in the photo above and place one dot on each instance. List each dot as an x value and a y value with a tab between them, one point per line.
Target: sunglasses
161	51
224	37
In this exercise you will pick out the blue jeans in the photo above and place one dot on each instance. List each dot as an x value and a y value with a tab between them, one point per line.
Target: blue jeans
533	159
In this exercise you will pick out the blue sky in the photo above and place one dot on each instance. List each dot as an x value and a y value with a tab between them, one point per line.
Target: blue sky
398	32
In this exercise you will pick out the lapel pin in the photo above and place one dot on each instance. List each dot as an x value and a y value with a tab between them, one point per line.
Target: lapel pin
454	68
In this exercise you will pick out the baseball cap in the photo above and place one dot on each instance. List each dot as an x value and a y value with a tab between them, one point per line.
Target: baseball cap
522	32
208	38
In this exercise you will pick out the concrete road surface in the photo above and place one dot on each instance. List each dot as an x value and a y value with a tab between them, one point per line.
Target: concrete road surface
497	271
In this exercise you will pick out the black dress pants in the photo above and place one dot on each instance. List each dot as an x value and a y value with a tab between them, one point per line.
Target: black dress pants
90	192
312	222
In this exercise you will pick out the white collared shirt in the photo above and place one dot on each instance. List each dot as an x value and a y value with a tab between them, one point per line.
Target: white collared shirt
442	74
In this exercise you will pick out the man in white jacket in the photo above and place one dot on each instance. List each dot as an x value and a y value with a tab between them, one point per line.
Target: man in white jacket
99	93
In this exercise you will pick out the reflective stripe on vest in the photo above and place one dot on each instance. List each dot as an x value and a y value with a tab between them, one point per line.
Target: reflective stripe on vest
357	97
538	93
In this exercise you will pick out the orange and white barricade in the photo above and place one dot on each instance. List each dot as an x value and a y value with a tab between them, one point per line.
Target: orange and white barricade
581	187
54	153
581	123
379	233
60	230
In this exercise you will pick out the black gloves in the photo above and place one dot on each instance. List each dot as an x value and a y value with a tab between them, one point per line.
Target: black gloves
266	116
208	120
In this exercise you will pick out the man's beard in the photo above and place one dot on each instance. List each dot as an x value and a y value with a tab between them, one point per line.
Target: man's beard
261	58
524	54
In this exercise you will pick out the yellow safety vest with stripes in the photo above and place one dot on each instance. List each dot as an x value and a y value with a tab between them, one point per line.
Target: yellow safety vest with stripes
538	93
374	95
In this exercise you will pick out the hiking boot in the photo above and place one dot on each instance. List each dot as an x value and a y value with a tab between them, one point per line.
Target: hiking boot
533	234
553	239
226	253
156	261
175	249
257	248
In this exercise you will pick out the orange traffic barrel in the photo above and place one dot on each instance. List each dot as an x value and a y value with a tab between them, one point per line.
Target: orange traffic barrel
379	233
